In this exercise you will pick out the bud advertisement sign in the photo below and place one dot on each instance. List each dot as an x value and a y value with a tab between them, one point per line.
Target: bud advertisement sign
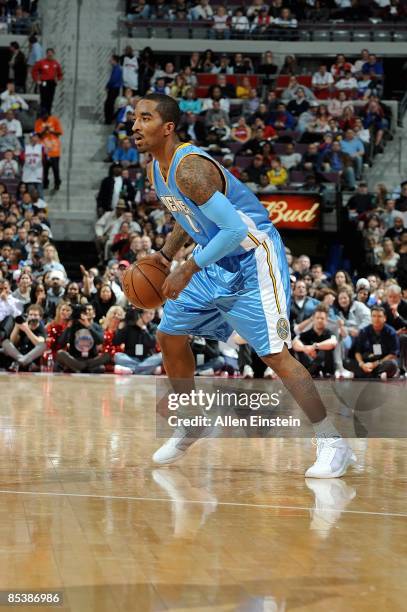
293	211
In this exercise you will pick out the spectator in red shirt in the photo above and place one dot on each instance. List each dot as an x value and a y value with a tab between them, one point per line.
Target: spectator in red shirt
46	72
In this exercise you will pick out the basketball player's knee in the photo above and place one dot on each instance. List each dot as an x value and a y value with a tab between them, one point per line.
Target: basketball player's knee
277	361
171	344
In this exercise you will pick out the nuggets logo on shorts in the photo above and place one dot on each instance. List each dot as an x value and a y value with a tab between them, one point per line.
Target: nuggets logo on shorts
283	328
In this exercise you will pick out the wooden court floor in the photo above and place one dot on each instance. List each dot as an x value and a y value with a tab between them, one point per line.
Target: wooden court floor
233	527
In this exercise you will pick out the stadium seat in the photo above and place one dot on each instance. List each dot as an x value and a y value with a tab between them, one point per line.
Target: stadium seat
339	35
362	36
322	36
382	36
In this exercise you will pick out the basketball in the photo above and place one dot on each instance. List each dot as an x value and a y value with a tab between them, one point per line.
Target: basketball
142	283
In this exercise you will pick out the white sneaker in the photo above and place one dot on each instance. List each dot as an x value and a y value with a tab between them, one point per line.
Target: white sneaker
174	448
248	372
383	376
118	369
206	372
334	456
269	373
343	373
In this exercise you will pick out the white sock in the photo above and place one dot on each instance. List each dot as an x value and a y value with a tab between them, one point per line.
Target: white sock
326	429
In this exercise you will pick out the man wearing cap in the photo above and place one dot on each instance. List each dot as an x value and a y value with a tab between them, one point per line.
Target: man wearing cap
55	293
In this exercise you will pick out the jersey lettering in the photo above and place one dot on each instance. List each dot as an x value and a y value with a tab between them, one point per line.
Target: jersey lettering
175	205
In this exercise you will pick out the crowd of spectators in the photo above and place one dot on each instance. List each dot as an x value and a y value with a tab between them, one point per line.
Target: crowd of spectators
276	19
271	125
19	17
30	141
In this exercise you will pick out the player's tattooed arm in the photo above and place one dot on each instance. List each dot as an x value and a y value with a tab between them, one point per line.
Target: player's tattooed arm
175	241
198	178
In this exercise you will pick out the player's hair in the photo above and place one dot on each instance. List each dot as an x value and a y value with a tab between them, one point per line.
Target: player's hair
167	107
321	308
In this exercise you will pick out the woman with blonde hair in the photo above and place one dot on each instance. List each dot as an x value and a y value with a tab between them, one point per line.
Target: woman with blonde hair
56	327
111	323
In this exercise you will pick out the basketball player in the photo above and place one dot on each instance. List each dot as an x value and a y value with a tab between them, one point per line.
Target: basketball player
237	278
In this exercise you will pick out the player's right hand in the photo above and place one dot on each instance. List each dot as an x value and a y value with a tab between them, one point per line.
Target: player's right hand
158	258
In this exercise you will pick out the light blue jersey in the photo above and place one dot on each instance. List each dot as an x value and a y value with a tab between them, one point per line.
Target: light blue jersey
249	289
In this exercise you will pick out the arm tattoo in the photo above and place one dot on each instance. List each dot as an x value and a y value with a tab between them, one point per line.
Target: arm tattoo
199	178
175	241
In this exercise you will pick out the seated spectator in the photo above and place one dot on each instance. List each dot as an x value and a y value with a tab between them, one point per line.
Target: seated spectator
352	316
138	337
374	69
33	158
227	89
113	188
9	168
82	344
347	82
373	119
27	340
254	146
282	119
202	10
263	186
244	88
401	201
256	169
340	67
241	132
221	24
358	65
286	19
337	161
55	293
397	231
224	103
103	300
13	125
138	9
160	87
291	91
51	260
262	22
23	291
251	104
308	119
278	175
10	100
8	141
57	326
298	104
365	87
190	103
10	308
239	23
389	258
353	147
376	349
310	159
315	346
73	295
336	106
111	324
395	308
361	201
126	154
322	80
215	113
290	159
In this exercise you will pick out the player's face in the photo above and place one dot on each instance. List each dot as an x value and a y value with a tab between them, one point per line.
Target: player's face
149	129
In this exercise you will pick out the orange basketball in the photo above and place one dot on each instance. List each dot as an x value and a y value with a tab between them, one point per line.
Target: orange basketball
142	283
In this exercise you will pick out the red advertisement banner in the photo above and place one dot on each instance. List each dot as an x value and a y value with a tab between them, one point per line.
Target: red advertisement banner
292	211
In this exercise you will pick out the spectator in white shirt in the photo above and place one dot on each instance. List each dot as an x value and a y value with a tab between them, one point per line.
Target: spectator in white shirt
8	166
13	125
348	82
10	308
10	100
220	28
322	80
290	159
203	10
358	65
240	22
286	20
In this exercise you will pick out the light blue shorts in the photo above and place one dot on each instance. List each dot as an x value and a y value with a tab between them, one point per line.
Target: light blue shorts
251	297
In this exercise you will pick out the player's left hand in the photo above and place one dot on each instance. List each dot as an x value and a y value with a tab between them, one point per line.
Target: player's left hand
179	279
